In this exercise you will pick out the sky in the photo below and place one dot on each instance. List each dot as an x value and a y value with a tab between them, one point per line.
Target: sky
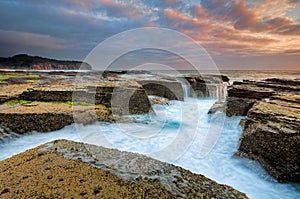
238	34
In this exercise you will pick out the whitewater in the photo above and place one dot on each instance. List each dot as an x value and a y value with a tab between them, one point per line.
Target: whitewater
181	134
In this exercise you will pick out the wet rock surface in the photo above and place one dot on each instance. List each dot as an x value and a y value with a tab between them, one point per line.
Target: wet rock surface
271	135
106	173
171	90
208	86
41	174
45	117
43	102
217	106
271	130
10	92
6	134
238	106
243	95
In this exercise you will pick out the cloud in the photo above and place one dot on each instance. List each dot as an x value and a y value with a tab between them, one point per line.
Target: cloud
227	28
175	15
30	40
266	16
199	11
171	1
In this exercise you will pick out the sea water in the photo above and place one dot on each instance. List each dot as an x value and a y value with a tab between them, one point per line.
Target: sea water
183	134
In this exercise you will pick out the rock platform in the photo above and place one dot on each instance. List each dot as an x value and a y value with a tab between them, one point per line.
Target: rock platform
61	169
271	130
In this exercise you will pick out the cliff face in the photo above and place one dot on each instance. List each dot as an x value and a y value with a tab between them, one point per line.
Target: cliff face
27	62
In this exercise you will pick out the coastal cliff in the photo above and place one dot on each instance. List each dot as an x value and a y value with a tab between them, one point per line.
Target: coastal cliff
27	62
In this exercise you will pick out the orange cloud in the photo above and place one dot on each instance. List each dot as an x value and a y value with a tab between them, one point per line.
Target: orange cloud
174	14
241	31
200	12
171	1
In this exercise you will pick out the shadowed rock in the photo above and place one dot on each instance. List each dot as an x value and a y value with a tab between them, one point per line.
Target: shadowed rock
171	90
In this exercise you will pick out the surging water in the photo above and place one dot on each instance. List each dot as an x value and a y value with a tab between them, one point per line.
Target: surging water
154	132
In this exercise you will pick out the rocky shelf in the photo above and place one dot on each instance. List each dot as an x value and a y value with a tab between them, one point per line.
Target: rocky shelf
271	129
43	101
44	172
37	116
48	101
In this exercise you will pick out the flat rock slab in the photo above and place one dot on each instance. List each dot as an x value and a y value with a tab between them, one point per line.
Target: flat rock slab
242	95
49	168
129	94
251	91
47	116
8	92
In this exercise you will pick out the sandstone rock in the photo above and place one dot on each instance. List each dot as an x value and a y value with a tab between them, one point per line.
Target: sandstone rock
10	92
163	88
160	100
238	106
130	96
242	96
217	106
150	177
271	129
251	91
214	86
40	174
281	85
45	117
271	135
